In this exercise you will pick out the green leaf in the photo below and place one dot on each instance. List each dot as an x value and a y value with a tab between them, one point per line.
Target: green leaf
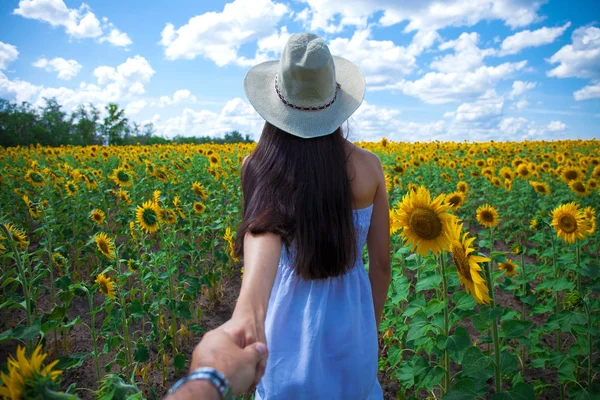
482	321
418	328
456	344
564	321
430	282
72	361
508	362
515	328
521	391
464	301
401	287
477	365
141	353
433	307
464	389
414	307
394	356
183	310
410	370
179	362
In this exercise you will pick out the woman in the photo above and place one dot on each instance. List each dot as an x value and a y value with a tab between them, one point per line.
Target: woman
311	200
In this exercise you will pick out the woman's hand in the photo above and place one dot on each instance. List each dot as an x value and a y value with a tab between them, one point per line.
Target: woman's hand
247	326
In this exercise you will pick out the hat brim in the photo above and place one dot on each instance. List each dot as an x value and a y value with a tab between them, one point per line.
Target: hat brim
259	86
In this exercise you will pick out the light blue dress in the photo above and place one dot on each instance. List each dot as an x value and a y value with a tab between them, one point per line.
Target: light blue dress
321	334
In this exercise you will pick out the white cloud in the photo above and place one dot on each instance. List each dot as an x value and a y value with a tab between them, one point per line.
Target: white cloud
218	36
520	87
521	104
117	38
439	87
588	92
467	55
581	59
66	69
8	54
485	107
236	114
178	97
135	107
122	83
556	126
381	61
78	23
521	40
428	15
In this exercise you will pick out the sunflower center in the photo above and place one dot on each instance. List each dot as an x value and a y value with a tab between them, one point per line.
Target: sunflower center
461	260
149	217
567	223
425	223
578	186
541	189
487	216
454	201
36	177
72	188
103	247
123	176
571	175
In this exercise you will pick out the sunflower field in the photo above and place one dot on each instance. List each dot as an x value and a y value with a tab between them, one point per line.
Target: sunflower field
115	260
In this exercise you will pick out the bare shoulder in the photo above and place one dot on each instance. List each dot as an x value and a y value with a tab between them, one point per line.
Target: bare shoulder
364	159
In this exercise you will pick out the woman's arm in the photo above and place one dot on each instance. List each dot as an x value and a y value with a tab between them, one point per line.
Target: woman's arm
378	245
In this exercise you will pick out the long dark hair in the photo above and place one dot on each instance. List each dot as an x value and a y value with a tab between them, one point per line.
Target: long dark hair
300	189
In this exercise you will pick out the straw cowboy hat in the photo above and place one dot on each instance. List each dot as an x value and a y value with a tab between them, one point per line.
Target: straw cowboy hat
308	92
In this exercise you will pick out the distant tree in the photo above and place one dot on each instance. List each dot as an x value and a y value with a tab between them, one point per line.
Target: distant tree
56	129
85	126
114	125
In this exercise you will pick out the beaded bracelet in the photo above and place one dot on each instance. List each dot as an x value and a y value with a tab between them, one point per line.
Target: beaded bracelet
210	374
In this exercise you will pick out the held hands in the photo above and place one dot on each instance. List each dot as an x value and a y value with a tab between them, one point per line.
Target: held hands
247	326
241	363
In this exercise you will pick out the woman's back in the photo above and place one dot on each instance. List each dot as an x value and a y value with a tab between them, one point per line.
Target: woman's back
321	333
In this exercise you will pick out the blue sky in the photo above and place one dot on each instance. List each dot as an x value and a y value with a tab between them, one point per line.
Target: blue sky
435	70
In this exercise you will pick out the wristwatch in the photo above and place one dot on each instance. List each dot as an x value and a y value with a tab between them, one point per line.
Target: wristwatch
210	374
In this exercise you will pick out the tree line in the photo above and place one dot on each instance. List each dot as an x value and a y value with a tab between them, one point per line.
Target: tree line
49	125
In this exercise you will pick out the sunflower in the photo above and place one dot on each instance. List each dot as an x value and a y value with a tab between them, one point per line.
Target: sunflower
199	207
35	178
72	188
462	186
148	216
592	184
534	224
570	174
425	223
508	185
516	249
132	230
590	219
199	190
106	286
568	222
214	160
33	209
122	177
467	266
105	245
488	216
59	260
176	204
97	216
496	181
579	188
540	187
523	170
170	217
124	196
510	267
455	200
17	235
28	373
2	247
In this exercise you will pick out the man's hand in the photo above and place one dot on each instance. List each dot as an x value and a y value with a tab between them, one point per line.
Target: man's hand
224	352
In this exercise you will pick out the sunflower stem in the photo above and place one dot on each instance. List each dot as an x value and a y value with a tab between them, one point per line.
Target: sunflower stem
497	370
578	263
93	331
589	334
446	323
524	312
557	299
